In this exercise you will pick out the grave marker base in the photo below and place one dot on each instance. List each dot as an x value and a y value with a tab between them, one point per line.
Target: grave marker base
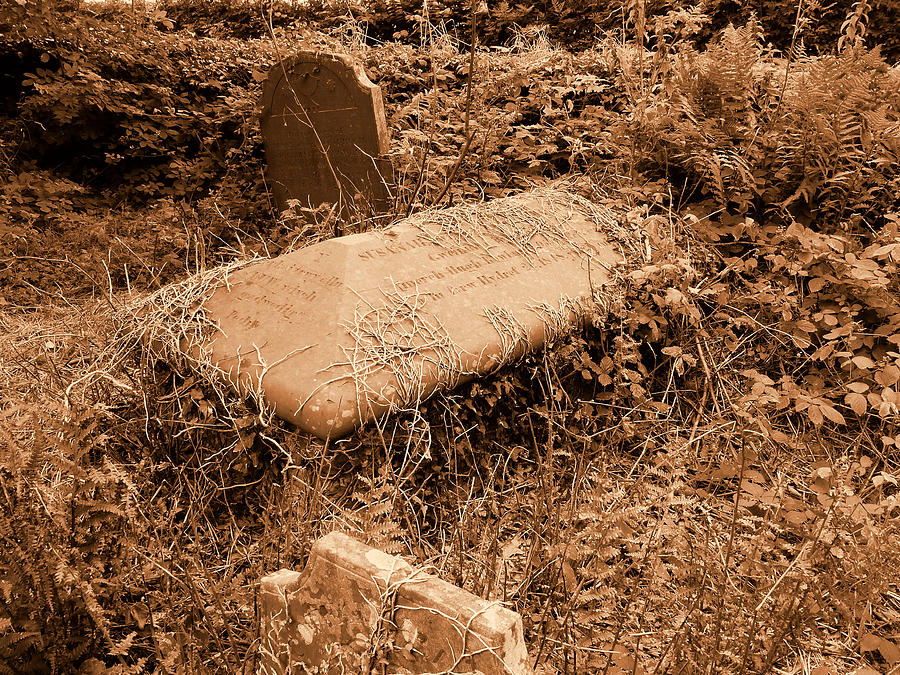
355	608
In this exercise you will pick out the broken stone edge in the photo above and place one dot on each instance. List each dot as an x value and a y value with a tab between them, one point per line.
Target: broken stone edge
498	629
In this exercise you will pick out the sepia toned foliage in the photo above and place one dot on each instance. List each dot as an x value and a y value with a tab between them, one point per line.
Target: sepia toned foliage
704	477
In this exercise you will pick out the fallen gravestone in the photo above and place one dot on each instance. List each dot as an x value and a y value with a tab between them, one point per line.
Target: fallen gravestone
355	609
325	134
344	331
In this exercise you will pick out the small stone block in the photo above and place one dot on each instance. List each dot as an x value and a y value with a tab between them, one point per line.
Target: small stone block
355	609
345	331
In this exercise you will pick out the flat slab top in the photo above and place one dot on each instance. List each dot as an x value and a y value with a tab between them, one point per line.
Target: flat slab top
341	332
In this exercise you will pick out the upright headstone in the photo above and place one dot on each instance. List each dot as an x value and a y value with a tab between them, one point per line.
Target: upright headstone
355	609
325	134
344	331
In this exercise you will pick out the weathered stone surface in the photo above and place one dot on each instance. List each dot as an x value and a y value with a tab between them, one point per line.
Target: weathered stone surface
339	333
354	606
325	133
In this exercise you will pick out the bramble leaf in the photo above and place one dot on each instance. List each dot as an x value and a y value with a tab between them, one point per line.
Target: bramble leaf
857	403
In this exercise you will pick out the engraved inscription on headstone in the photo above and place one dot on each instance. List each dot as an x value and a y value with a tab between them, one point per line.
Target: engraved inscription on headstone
344	331
354	604
325	134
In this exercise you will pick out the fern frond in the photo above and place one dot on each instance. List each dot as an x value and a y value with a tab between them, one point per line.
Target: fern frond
798	52
386	536
83	644
93	607
122	647
414	107
66	465
15	643
96	510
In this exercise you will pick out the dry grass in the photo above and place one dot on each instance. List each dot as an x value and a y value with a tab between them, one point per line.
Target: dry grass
682	537
616	489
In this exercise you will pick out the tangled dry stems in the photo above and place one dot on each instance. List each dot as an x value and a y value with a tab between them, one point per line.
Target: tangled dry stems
673	526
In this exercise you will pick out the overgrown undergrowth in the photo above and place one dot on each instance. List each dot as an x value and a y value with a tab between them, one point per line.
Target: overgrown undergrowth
703	479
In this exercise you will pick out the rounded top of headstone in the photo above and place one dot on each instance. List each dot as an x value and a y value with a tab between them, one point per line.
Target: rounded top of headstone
325	134
308	66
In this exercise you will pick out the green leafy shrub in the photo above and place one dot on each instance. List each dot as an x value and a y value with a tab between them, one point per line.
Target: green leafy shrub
242	19
821	24
807	153
156	115
832	301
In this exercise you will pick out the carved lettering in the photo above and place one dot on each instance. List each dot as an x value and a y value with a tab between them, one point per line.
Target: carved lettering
360	324
296	284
